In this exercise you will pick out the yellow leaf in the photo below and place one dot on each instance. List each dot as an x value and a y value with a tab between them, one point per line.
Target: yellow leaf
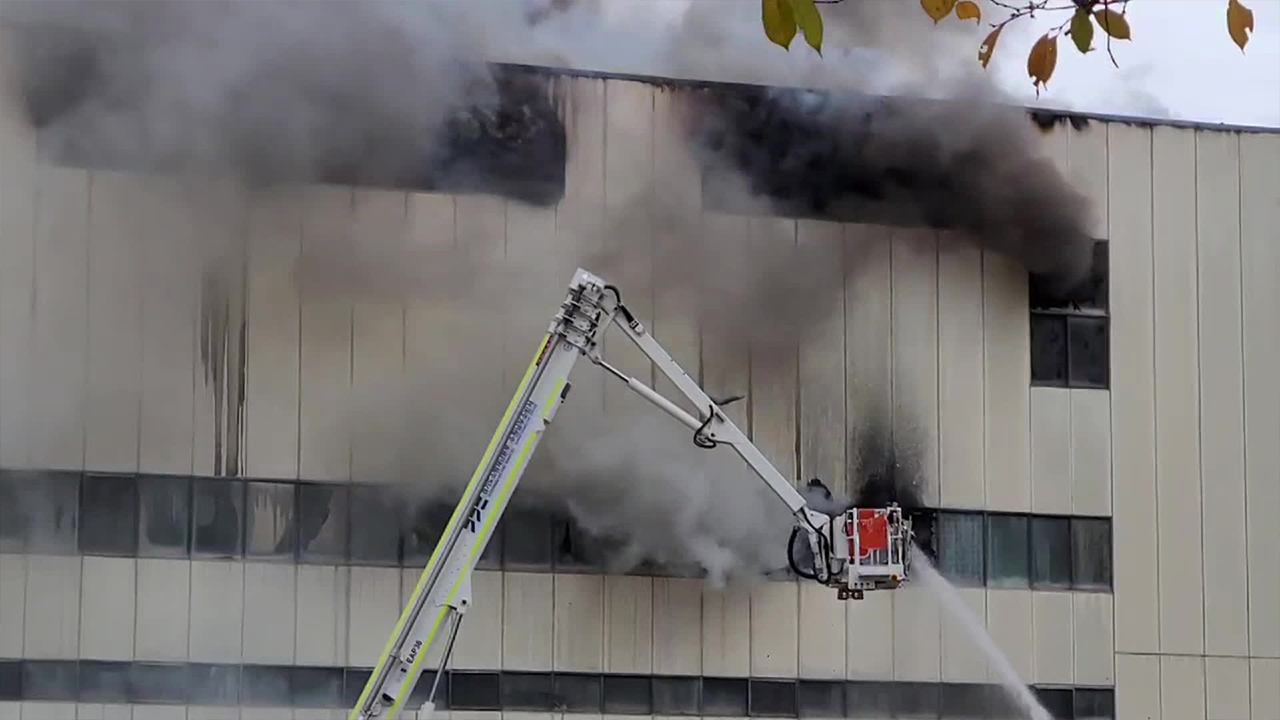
1239	23
1042	60
988	46
968	10
937	9
1082	30
810	22
779	22
1112	23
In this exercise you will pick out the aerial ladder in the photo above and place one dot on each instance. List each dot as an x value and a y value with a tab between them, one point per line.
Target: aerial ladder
854	551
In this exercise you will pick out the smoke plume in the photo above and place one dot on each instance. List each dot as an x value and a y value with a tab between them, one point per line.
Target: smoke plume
274	91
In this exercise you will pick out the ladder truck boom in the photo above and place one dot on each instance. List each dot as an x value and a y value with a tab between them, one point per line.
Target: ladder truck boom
856	550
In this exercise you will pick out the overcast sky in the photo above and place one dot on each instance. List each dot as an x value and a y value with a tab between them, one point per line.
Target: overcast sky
1180	64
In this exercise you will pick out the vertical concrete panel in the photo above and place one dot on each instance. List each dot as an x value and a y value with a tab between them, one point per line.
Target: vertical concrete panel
726	363
375	607
726	631
917	636
775	611
325	390
962	659
217	611
1182	687
481	227
914	281
628	199
378	236
52	617
1260	263
1226	588
321	614
773	361
960	381
1264	688
1133	418
546	263
13	602
1011	625
1094	649
10	710
1053	636
37	710
270	601
822	633
164	601
173	712
1138	687
195	712
59	307
821	420
677	626
1181	548
112	400
272	353
528	612
1226	688
1091	452
579	623
868	352
107	608
1051	456
1087	169
1007	383
869	638
628	624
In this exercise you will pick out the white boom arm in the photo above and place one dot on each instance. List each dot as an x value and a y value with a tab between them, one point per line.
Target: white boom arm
443	592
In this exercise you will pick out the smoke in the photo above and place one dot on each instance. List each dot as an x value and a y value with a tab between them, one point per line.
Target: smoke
275	91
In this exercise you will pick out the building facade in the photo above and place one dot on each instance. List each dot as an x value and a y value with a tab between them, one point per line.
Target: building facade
1099	481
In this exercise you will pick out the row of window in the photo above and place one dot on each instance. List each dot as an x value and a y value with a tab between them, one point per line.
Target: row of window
338	687
200	517
1017	551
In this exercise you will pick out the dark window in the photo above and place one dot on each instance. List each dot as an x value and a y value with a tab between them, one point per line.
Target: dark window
474	691
1091	553
104	682
271	520
527	544
960	547
1049	349
214	684
1095	704
1008	564
265	685
772	698
353	682
217	517
578	693
315	687
49	511
374	526
820	698
53	680
423	529
1050	552
966	701
527	691
677	696
109	515
1058	701
164	516
1092	294
868	699
12	523
10	680
322	523
422	691
724	697
576	549
159	683
1088	352
627	695
916	699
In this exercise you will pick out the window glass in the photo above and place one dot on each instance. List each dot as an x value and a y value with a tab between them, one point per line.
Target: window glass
527	691
960	547
217	517
322	523
724	697
159	683
474	691
626	695
423	529
266	685
1048	349
869	699
527	544
1091	553
577	693
49	511
214	684
772	698
820	698
1089	353
677	696
1008	562
109	515
12	523
164	516
271	520
103	682
1050	552
374	533
317	687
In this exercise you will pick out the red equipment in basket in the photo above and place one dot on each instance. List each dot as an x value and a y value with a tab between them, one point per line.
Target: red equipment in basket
873	533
